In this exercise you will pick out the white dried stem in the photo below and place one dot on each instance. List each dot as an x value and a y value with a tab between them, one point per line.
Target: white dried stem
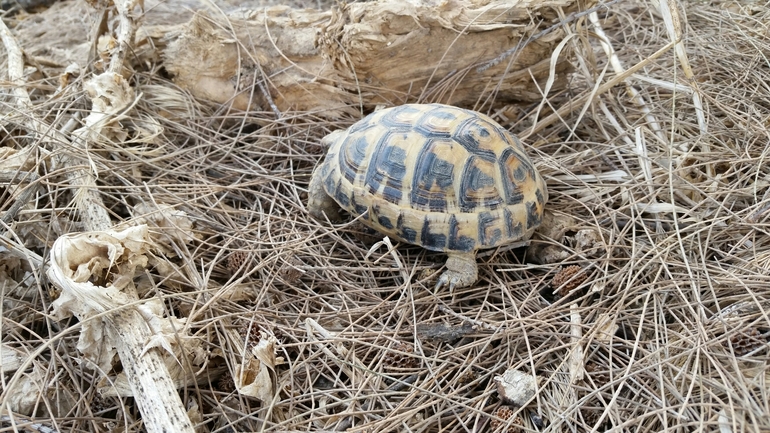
125	34
646	166
670	14
617	66
15	66
577	354
576	103
114	319
668	85
344	358
153	389
673	24
110	94
393	253
16	79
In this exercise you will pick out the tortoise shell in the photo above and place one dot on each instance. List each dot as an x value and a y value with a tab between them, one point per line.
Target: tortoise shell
442	177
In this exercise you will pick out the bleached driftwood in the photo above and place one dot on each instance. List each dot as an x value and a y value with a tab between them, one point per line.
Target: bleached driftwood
364	54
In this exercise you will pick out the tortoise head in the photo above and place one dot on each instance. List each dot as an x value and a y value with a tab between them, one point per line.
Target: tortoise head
327	141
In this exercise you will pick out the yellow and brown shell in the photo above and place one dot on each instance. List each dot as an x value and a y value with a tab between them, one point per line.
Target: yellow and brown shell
437	176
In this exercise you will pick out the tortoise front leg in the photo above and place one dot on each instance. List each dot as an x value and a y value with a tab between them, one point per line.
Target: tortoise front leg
461	271
318	201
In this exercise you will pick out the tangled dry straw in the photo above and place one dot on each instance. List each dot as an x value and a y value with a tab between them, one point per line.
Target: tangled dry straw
664	176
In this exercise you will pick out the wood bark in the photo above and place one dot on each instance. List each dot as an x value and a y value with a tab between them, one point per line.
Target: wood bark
360	55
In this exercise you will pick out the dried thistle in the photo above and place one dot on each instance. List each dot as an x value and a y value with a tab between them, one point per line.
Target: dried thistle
226	383
568	279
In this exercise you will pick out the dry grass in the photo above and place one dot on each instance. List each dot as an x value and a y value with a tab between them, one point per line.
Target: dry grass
674	315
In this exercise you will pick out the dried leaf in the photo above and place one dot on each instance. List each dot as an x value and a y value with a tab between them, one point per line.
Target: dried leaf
10	358
516	387
255	377
167	224
605	328
29	391
109	258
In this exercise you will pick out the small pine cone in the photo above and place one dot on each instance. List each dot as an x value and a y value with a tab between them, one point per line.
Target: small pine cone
290	271
600	377
747	341
252	333
505	412
568	279
237	260
467	377
395	360
428	275
590	415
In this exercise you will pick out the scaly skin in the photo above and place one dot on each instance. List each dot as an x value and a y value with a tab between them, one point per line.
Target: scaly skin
461	271
318	201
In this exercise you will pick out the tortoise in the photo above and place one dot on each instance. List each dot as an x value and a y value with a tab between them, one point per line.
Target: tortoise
441	177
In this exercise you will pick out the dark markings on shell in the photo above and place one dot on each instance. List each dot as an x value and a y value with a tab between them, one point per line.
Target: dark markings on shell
478	189
540	197
358	208
352	155
489	230
533	215
436	123
470	133
401	117
511	164
406	233
432	182
329	184
409	234
385	222
339	195
429	240
325	168
330	157
527	172
513	231
387	170
374	211
458	242
512	140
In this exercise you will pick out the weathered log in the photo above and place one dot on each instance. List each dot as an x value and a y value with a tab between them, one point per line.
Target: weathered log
360	55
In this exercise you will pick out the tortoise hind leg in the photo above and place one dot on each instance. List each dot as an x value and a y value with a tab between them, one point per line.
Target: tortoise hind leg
461	271
318	201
